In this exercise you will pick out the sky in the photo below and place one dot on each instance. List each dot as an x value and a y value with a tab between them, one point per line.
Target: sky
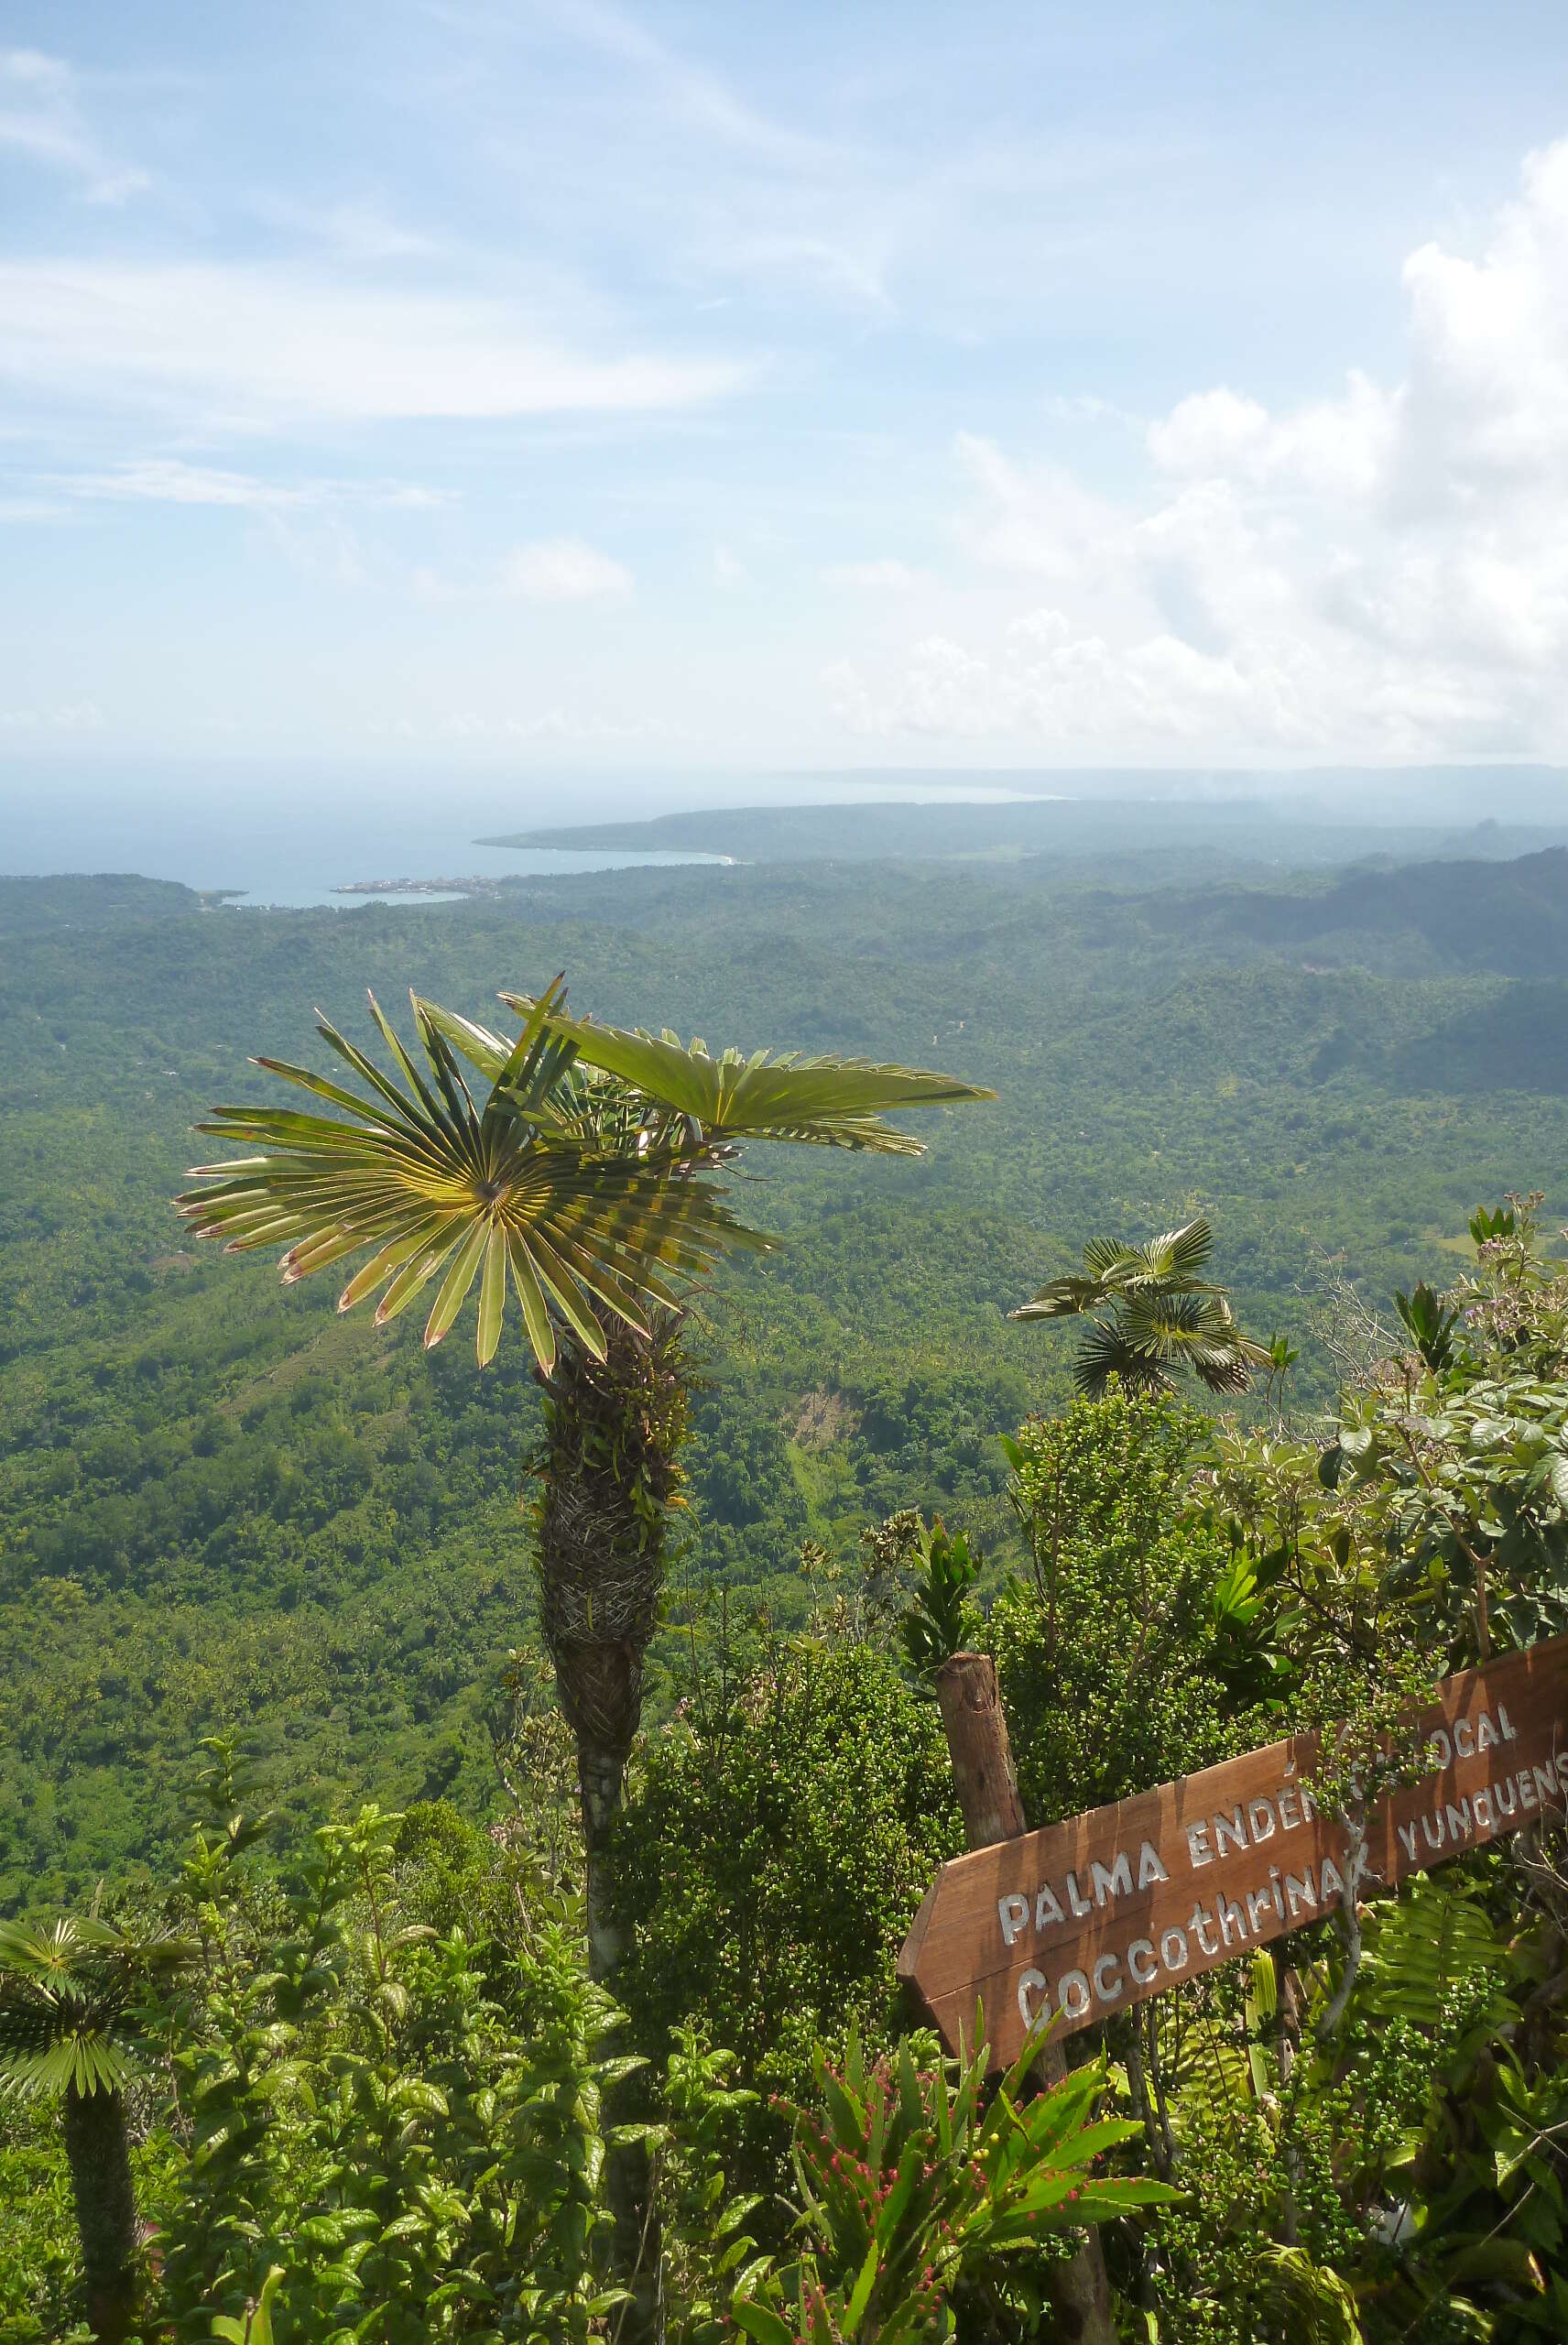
412	384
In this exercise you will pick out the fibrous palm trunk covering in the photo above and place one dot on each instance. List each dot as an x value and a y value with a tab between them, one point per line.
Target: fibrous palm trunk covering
608	1469
98	2152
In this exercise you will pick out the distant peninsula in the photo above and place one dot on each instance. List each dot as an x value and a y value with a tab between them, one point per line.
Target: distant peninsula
1265	835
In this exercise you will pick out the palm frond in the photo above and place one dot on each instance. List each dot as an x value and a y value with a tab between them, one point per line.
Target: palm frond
1111	1263
577	1175
1105	1352
1181	1256
1195	1330
69	1996
831	1102
1063	1298
451	1192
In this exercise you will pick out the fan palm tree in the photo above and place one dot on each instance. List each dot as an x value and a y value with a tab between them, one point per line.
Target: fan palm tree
1153	1311
581	1178
69	2002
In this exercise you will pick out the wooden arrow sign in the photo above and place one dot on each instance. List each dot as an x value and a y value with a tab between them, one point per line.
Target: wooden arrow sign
1098	1913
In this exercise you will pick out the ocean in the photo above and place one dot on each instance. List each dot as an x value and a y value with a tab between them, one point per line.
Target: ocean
299	839
283	842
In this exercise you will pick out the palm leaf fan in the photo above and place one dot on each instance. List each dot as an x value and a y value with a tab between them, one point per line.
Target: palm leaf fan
1105	1352
68	2000
1195	1330
1172	1261
447	1191
1063	1298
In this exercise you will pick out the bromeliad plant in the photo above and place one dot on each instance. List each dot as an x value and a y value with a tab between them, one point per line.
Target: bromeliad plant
941	1616
578	1176
913	2180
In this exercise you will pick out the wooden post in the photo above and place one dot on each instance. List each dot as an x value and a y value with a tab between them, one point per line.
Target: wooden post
988	1791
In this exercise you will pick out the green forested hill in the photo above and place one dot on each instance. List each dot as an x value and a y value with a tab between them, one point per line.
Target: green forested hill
221	1504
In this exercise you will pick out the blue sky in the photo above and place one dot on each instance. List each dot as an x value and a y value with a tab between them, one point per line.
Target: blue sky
501	386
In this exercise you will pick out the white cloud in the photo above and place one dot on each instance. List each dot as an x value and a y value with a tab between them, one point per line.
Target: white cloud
158	480
1381	575
259	345
886	577
41	117
565	569
169	480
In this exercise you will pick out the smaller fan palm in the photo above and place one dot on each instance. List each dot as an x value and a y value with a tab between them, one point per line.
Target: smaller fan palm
1152	1312
70	2000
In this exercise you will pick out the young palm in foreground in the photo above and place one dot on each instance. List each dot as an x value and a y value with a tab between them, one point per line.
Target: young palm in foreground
582	1180
69	2026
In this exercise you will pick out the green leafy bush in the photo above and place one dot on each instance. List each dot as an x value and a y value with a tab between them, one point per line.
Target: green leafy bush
1107	1651
773	1852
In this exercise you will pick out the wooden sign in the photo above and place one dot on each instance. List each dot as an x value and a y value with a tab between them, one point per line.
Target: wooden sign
1092	1916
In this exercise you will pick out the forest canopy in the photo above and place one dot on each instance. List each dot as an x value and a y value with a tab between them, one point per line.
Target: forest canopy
298	1839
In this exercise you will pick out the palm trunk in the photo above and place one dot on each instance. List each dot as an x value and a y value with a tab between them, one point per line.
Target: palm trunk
607	1468
601	1775
97	2148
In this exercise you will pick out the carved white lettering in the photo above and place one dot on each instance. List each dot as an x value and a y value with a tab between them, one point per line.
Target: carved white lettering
1149	1866
1075	1897
1108	1992
1174	1949
1260	1819
1231	1827
1072	1994
1046	1908
1033	1983
1464	1737
1141	1951
1232	1913
1290	1813
1114	1880
1198	1848
1012	1913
